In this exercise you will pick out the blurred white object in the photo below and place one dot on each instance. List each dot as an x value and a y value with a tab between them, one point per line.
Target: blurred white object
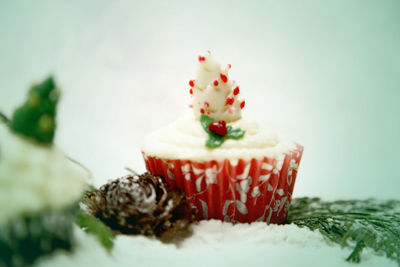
35	177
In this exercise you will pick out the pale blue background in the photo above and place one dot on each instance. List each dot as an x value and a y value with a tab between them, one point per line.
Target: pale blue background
324	73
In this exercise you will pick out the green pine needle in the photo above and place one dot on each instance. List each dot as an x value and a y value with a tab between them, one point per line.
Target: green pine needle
94	226
352	223
355	255
3	118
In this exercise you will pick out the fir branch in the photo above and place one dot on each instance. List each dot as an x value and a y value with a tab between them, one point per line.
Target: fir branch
353	223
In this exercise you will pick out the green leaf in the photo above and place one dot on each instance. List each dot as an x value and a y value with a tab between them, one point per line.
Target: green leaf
94	226
235	133
214	140
205	122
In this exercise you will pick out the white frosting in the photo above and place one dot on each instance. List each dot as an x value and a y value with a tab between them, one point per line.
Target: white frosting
34	177
214	92
185	139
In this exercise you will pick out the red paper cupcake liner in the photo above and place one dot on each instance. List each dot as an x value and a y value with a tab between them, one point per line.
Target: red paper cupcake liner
234	190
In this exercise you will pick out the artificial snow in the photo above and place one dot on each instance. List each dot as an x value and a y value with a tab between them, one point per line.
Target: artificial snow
216	243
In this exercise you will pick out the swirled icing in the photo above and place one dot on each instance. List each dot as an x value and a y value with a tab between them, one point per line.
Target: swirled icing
185	138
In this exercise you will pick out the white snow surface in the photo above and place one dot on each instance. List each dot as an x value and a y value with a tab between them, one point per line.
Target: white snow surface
216	243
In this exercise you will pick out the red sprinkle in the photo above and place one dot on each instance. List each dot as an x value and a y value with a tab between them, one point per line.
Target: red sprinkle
229	101
191	91
215	83
236	91
206	104
218	127
242	104
229	65
223	78
202	59
191	83
202	111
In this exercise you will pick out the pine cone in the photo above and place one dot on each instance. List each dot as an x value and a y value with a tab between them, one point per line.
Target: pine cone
141	205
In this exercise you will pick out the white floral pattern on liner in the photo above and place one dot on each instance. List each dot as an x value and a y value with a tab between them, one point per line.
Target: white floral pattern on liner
250	185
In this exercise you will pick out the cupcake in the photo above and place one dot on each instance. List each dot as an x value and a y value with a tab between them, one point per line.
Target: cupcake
229	167
40	188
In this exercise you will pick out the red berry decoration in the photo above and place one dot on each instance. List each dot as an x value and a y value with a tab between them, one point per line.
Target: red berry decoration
202	111
191	83
236	91
191	91
242	104
202	59
223	78
215	83
229	101
218	127
229	66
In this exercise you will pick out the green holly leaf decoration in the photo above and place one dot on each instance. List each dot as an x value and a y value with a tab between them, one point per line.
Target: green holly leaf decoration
205	122
234	133
36	117
215	140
